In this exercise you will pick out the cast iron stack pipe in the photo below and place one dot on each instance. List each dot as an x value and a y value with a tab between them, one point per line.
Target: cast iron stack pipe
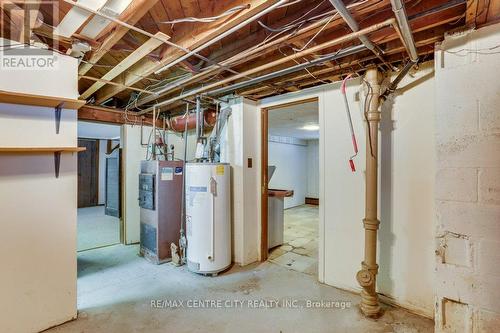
369	268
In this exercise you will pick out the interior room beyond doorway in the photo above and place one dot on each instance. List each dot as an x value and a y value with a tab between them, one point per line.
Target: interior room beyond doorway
293	187
99	188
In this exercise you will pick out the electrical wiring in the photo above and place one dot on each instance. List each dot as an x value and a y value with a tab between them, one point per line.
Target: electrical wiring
287	26
293	24
297	25
316	34
365	113
478	51
289	4
207	19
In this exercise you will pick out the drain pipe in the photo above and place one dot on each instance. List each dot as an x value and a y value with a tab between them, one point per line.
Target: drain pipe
399	11
394	84
407	40
351	22
367	275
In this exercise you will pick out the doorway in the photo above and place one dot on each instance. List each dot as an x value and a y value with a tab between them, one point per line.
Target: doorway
99	186
290	178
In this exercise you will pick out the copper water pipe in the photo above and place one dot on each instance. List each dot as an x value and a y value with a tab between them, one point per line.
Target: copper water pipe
369	268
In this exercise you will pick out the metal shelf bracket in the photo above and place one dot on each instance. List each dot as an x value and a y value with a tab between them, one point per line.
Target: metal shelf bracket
57	162
58	111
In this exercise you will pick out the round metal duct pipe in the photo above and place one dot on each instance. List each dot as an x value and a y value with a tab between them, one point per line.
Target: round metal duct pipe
177	124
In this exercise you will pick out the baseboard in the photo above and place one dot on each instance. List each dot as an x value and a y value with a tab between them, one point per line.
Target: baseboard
312	201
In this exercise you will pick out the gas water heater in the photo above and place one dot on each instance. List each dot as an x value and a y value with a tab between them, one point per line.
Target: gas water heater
208	217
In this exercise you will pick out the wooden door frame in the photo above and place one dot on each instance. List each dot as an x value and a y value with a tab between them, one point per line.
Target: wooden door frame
264	125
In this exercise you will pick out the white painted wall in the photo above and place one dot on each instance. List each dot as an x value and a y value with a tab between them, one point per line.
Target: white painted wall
312	169
60	81
92	130
406	190
468	182
251	182
240	141
38	211
133	153
291	170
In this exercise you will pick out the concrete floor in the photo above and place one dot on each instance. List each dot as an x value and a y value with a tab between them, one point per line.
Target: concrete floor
116	288
95	229
300	250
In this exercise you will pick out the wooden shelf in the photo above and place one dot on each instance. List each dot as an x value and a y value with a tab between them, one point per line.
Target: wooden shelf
57	151
39	100
34	150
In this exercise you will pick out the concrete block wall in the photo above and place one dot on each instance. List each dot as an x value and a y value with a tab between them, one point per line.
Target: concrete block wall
467	189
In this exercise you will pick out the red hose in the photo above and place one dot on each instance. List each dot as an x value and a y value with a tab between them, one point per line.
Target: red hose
353	136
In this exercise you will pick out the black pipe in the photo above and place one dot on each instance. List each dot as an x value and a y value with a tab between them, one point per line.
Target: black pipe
394	84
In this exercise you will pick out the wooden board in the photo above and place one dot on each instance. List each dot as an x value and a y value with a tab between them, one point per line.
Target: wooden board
34	150
126	63
39	100
114	116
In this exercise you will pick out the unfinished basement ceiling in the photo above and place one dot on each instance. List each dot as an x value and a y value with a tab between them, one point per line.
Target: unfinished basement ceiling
299	121
126	68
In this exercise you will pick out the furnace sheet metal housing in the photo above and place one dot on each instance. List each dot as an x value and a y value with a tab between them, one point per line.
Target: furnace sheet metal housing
160	199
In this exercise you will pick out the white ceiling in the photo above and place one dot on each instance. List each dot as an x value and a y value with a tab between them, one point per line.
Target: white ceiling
289	120
98	131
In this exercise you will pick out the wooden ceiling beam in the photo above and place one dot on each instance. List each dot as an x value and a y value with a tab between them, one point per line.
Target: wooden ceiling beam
393	56
95	79
197	37
134	12
376	12
471	12
422	27
382	36
243	57
126	63
113	116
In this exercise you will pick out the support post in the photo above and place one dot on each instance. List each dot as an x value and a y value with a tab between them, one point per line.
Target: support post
369	268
